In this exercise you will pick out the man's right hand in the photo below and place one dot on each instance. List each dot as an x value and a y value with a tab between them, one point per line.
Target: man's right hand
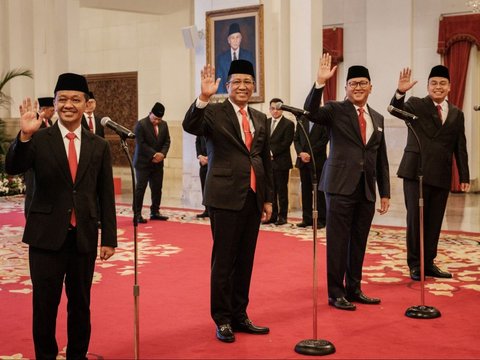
29	123
209	85
404	80
325	70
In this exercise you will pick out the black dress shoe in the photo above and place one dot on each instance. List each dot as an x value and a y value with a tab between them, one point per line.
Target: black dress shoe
341	303
320	225
435	271
304	224
415	274
202	215
224	333
281	221
360	297
141	220
157	216
247	326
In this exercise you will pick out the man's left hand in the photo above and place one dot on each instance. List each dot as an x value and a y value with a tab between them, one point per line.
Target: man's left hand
106	252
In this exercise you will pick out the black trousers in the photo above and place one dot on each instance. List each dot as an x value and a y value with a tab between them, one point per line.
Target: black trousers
434	204
202	172
348	223
234	242
307	195
153	177
48	271
280	194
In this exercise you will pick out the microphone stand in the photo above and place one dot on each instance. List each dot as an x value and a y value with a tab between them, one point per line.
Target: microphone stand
313	346
136	287
421	311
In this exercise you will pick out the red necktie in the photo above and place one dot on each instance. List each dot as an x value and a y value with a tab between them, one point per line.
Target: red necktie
90	123
72	164
363	124
248	143
155	129
46	122
439	109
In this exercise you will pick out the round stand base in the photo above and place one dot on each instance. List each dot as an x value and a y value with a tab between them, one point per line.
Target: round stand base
422	312
315	347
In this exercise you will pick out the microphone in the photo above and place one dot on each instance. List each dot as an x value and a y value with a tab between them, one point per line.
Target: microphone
476	108
119	129
293	110
401	114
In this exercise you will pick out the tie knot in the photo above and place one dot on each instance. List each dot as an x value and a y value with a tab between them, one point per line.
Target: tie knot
242	111
439	107
361	110
71	136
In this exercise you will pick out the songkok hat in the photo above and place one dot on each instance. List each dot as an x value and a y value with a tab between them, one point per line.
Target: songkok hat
45	101
70	81
234	28
90	95
158	110
357	71
241	67
439	71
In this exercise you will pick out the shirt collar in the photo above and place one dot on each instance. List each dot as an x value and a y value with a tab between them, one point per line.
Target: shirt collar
64	131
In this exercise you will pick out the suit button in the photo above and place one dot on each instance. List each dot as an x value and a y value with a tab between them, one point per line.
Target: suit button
74	191
69	211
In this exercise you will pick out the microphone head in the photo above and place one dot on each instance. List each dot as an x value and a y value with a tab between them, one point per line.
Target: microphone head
476	108
278	105
105	120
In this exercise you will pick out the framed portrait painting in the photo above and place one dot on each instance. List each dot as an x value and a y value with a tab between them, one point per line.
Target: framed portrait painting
236	33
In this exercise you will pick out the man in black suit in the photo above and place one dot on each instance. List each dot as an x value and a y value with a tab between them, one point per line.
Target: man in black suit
317	134
73	173
238	190
356	161
441	130
152	142
281	137
45	106
201	149
92	121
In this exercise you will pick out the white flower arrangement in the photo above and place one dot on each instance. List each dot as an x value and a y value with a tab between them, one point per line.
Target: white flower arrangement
11	185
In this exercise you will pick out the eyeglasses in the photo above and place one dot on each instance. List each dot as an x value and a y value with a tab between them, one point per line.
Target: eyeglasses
238	82
354	84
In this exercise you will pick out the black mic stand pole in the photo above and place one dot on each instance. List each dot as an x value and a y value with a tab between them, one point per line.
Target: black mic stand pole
314	346
421	311
136	287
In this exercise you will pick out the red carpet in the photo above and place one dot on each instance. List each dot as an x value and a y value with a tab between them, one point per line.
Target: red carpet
175	321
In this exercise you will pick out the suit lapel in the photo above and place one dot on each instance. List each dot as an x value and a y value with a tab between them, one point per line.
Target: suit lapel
353	116
86	151
57	149
233	119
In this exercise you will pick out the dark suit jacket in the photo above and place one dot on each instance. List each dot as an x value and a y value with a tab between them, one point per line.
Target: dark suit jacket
99	129
147	144
318	139
280	141
56	194
200	146
229	161
349	158
222	66
438	143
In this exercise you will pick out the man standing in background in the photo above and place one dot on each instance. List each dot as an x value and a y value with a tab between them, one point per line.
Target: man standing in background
201	149
92	121
152	142
281	137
